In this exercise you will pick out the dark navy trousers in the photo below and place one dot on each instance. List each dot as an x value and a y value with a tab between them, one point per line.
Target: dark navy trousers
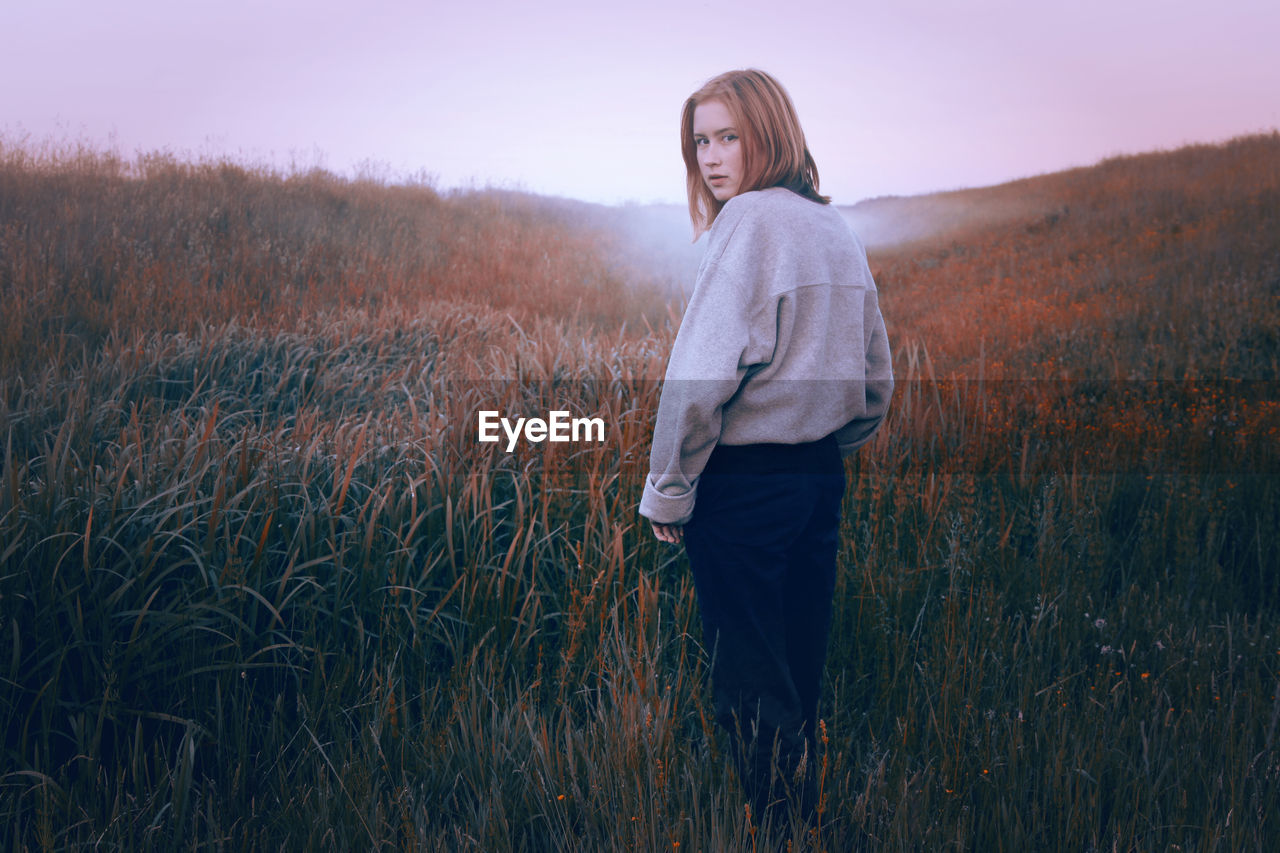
762	543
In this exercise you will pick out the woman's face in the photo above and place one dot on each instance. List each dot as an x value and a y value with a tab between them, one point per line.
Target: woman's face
719	149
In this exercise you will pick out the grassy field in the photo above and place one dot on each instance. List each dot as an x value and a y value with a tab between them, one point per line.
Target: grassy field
262	588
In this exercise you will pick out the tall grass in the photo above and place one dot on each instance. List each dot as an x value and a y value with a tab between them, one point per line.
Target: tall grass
261	587
91	244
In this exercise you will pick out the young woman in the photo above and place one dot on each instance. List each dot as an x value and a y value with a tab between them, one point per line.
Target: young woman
781	366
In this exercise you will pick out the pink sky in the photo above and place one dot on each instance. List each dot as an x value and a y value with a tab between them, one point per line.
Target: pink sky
582	98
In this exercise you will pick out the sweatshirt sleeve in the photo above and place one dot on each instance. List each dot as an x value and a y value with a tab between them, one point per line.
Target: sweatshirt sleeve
726	330
879	382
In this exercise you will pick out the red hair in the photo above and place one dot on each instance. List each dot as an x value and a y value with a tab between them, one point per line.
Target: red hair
774	152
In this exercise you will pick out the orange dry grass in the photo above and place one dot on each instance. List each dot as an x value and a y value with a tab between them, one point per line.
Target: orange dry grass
1158	266
91	244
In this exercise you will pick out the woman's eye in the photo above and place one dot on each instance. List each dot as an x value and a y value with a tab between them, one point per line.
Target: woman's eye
729	137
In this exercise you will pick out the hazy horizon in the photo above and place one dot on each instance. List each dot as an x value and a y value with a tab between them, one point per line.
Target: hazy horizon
582	101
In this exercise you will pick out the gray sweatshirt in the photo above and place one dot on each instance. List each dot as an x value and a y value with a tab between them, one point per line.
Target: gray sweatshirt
782	342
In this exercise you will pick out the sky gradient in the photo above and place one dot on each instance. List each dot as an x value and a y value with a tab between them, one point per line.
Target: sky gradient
582	99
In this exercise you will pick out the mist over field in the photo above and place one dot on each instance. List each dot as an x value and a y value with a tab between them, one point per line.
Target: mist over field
262	587
660	236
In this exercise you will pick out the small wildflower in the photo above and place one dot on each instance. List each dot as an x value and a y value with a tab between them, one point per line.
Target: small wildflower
1099	623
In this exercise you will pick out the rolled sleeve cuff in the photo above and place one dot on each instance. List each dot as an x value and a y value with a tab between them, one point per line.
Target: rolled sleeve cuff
854	435
666	509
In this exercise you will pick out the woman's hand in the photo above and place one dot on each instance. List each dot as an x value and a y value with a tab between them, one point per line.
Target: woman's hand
673	533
